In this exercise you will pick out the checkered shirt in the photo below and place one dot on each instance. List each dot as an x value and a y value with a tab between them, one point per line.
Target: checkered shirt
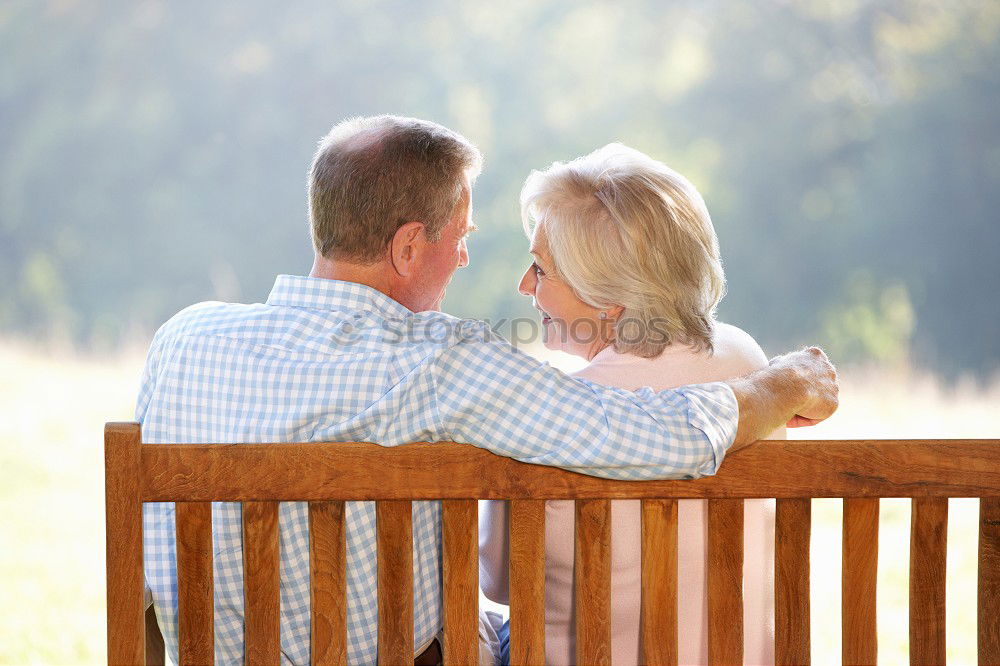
325	360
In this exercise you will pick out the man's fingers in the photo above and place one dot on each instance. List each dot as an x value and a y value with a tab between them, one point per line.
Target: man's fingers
802	422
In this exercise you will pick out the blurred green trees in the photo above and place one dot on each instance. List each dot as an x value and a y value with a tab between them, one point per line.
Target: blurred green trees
154	153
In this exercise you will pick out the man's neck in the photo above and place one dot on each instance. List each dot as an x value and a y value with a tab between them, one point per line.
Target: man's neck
377	275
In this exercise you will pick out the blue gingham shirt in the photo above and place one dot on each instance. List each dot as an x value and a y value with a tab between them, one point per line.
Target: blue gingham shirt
325	360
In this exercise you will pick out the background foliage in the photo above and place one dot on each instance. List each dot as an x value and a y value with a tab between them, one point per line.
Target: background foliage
154	154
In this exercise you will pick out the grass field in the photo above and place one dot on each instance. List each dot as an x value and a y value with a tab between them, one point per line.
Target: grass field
53	408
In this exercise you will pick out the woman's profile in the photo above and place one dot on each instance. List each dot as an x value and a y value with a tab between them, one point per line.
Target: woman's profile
626	273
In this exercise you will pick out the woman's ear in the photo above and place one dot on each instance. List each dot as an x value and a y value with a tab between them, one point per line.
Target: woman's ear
615	312
407	244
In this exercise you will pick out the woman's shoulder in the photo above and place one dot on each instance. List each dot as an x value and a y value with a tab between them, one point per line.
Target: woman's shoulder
737	348
735	353
743	355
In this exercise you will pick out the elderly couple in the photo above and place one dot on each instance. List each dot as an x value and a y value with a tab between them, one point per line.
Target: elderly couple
624	270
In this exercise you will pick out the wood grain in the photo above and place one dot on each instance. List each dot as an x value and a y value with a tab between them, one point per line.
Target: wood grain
928	559
659	582
527	582
351	471
123	533
195	590
328	583
592	582
460	556
792	527
858	583
725	581
394	528
989	581
262	628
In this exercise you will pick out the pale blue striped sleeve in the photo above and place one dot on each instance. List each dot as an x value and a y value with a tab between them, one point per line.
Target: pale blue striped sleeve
147	385
491	395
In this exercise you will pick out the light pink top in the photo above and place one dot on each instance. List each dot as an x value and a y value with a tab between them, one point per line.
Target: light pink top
736	354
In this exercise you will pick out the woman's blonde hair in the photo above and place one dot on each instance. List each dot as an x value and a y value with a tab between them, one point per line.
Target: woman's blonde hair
624	229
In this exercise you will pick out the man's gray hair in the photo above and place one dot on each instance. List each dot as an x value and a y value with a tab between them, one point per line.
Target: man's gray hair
373	174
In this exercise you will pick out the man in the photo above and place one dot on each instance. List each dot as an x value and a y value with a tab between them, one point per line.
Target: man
358	351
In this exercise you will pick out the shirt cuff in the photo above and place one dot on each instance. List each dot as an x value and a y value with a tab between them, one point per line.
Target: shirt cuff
712	408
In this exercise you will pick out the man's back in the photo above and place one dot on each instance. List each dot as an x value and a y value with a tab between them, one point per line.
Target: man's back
328	360
290	370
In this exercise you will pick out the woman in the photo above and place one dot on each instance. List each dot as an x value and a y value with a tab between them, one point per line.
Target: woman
626	274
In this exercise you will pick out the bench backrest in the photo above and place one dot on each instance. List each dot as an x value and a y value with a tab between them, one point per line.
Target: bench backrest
328	474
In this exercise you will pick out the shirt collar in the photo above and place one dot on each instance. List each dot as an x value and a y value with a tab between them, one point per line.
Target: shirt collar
323	294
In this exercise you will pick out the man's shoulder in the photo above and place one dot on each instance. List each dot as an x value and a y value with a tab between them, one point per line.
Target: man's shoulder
202	317
461	341
452	330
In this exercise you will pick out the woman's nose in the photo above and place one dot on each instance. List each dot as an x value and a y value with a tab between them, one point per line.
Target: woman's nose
527	284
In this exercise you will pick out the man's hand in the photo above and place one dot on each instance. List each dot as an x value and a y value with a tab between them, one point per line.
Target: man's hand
821	387
797	389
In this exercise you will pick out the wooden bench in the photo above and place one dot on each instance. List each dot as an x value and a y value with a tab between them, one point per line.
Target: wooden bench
328	474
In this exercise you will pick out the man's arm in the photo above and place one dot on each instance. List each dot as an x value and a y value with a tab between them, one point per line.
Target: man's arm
491	395
147	385
797	389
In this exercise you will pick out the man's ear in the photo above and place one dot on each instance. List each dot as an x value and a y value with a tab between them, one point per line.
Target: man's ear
407	244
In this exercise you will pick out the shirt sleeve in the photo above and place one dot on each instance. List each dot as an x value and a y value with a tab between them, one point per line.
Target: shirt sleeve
493	396
147	385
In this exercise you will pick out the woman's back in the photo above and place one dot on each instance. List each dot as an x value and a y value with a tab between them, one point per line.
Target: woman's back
735	354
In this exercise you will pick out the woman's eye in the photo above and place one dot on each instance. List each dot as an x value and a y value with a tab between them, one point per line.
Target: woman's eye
538	269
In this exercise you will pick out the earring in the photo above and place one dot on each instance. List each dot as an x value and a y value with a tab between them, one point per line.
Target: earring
603	315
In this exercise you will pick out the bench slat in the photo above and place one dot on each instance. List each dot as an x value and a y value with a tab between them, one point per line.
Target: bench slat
195	591
858	583
262	628
989	580
928	560
792	527
592	580
394	527
527	582
659	582
329	470
327	579
460	531
123	511
725	581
